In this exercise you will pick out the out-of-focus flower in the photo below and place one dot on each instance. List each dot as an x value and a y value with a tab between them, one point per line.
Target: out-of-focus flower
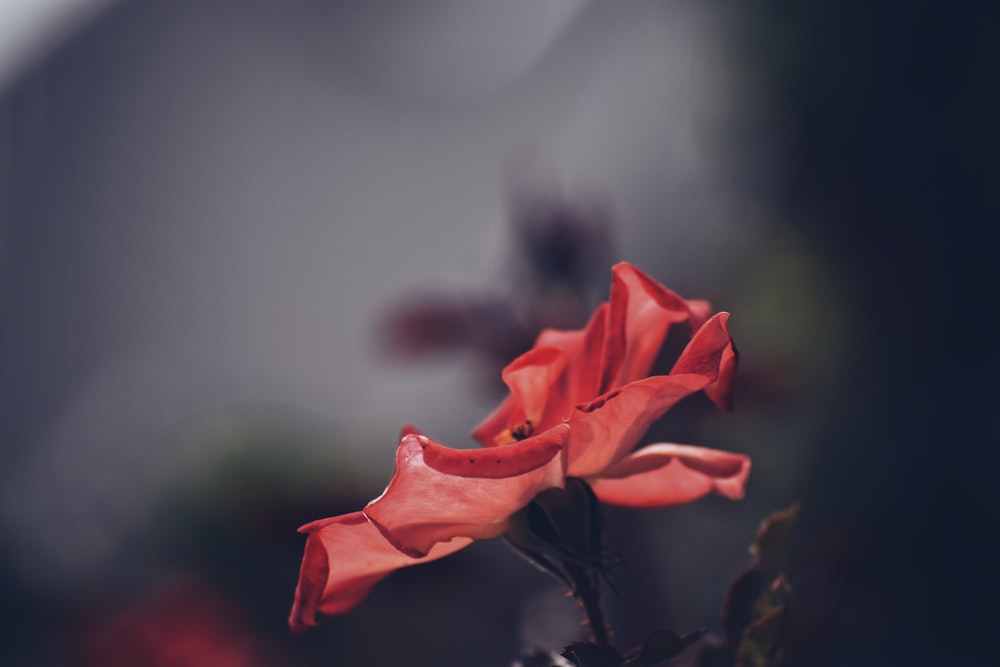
185	623
580	401
596	378
552	281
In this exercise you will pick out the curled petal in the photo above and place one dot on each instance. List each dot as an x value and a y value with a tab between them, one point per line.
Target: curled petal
438	494
584	350
530	378
607	429
712	353
569	341
701	310
721	391
642	312
668	474
581	378
495	429
548	381
409	429
344	557
495	462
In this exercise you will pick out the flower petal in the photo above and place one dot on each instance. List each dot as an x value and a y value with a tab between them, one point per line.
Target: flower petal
530	378
409	429
438	494
605	430
495	462
344	557
495	429
642	312
712	352
584	350
667	474
701	310
548	381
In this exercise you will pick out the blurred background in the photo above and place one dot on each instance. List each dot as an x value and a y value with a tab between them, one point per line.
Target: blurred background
242	243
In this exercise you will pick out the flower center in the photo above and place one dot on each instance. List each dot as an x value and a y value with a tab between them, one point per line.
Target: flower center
522	430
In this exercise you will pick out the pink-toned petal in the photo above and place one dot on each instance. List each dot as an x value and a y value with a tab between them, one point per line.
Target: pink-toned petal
495	429
409	429
668	474
530	378
580	381
423	505
548	381
721	391
494	462
344	557
701	310
569	341
642	312
605	431
712	352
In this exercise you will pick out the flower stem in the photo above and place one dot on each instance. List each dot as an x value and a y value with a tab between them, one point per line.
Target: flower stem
587	592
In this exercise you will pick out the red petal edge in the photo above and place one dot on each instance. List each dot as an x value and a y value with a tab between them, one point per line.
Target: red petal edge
495	462
712	353
530	379
425	505
488	431
666	474
642	313
344	557
605	430
409	429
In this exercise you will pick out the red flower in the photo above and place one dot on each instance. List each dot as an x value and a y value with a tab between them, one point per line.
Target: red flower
579	403
596	378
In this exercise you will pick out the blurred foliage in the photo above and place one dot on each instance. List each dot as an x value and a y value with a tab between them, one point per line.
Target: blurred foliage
756	605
